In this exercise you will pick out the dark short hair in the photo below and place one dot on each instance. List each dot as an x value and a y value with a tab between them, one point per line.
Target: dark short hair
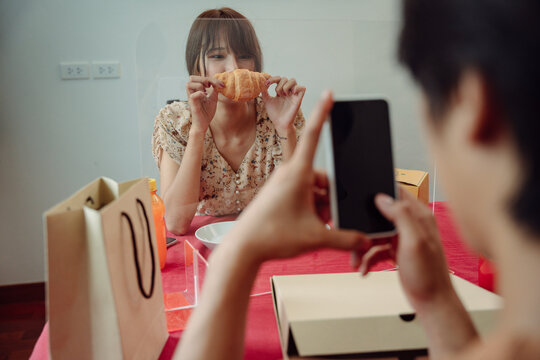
205	31
501	40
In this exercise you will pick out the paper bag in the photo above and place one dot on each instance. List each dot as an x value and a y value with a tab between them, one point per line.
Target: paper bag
104	293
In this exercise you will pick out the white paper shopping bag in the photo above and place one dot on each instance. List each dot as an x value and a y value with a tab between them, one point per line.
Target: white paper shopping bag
104	293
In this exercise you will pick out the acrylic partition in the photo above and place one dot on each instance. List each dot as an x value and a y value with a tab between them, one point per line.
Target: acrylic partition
348	57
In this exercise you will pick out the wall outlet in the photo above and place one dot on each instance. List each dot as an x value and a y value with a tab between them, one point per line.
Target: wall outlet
106	70
74	71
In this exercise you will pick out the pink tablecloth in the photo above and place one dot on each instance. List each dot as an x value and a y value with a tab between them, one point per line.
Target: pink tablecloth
262	341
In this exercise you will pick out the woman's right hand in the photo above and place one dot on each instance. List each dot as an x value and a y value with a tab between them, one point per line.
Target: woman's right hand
202	99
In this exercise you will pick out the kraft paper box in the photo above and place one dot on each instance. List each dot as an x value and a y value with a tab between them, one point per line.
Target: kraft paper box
338	315
416	181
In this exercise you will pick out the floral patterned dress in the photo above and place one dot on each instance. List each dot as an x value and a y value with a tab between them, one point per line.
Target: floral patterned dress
223	191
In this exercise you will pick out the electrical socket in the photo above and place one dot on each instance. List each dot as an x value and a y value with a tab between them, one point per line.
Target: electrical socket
105	70
74	71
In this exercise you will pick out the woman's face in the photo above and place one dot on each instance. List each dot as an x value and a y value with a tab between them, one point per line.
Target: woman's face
221	58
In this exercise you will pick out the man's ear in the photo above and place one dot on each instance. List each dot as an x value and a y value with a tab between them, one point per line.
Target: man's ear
484	113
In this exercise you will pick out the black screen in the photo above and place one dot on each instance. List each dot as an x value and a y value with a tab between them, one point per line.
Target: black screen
363	163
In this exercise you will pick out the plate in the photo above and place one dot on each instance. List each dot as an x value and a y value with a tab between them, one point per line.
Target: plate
212	234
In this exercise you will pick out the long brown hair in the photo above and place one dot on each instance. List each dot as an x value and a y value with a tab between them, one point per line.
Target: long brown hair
204	34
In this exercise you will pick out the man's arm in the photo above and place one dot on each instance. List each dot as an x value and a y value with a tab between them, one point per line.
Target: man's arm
216	328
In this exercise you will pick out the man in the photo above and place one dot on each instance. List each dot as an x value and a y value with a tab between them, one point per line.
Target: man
477	65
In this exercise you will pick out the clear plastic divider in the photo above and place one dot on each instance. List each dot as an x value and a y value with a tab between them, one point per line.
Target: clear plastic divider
349	57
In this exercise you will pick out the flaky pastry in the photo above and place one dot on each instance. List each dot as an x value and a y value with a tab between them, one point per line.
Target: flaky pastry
242	84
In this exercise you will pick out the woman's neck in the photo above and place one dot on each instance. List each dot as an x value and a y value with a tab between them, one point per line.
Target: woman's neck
234	119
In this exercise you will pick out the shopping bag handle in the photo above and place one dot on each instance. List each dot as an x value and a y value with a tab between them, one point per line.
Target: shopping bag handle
135	252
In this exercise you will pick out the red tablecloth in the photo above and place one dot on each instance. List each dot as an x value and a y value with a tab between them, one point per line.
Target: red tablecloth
262	341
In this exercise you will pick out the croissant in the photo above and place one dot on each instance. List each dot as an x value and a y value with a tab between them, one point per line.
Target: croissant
242	84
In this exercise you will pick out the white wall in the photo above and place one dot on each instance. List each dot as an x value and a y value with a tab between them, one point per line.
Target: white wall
58	135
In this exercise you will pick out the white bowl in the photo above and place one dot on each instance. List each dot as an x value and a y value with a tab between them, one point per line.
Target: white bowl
212	234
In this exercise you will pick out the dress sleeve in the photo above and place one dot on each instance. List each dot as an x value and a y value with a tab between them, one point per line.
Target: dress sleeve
171	132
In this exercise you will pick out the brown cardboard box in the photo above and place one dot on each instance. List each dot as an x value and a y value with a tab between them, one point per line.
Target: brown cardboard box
416	181
346	314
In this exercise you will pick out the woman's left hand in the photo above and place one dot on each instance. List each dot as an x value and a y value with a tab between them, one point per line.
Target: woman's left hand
283	107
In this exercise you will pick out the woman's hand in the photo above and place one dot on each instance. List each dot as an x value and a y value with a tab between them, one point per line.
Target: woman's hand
288	216
283	107
418	251
202	98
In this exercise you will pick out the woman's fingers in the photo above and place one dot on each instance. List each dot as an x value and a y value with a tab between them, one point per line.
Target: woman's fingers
273	80
206	81
270	81
285	87
279	87
216	83
198	95
197	91
305	151
299	90
289	86
280	81
192	87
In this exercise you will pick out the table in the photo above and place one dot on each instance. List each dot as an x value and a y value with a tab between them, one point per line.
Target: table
262	340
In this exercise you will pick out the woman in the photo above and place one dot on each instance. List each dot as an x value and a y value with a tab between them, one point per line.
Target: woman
477	64
213	153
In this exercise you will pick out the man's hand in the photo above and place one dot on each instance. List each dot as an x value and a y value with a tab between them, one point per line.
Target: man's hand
288	216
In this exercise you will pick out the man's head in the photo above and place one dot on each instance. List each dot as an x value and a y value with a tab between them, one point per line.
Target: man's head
478	64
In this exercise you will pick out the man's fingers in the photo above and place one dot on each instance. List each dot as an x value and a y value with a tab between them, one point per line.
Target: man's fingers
404	215
376	255
397	211
346	240
305	151
321	179
418	207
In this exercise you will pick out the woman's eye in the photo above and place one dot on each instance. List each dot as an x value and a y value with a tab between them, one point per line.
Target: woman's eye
216	56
